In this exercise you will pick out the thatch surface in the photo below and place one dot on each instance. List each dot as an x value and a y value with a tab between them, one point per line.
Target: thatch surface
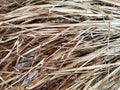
59	44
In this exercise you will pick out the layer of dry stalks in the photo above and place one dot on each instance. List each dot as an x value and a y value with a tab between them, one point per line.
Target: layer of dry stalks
59	44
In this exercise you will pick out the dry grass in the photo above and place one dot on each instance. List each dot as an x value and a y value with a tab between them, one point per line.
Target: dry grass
59	44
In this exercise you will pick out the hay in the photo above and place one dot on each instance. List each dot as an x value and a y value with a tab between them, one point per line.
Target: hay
59	44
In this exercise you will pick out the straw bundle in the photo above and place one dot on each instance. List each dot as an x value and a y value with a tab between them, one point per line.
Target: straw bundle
59	44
